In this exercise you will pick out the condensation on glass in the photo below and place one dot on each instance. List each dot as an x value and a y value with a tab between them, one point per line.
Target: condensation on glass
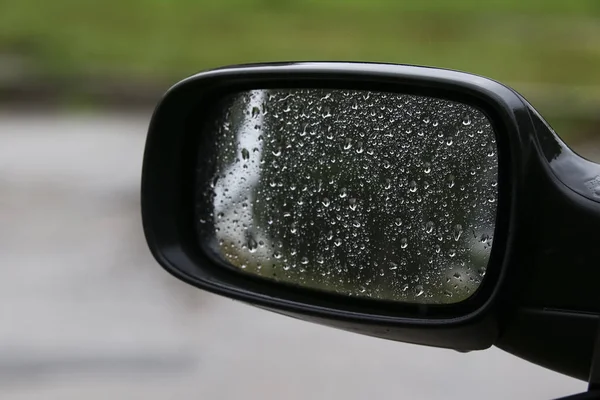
376	195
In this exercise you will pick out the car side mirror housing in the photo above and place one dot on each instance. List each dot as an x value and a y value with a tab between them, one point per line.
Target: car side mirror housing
416	204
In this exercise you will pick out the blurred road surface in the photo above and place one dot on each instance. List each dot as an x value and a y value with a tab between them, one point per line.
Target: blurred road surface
86	313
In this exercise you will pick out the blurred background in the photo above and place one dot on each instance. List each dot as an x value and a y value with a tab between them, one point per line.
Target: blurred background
87	313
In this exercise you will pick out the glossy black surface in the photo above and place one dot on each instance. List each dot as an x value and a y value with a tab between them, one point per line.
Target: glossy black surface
543	271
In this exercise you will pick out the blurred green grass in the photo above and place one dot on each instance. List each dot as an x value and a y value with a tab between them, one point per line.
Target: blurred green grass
523	43
535	41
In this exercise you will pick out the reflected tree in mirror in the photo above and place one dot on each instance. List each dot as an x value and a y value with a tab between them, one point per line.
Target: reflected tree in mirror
377	195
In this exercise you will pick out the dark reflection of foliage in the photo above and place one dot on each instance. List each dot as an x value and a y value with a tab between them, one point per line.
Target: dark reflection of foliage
371	194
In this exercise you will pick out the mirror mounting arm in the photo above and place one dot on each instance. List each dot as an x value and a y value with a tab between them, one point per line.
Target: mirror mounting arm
594	380
593	392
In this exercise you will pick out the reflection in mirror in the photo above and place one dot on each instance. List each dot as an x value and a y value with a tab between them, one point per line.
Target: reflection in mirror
377	195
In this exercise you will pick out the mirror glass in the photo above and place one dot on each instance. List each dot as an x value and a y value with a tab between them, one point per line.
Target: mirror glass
377	195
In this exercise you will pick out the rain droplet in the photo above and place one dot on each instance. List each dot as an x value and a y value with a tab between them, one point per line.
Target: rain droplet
255	112
347	144
419	290
398	222
304	261
325	202
404	243
337	242
458	230
245	154
412	186
427	167
450	181
252	245
352	204
452	253
343	193
429	226
466	119
359	148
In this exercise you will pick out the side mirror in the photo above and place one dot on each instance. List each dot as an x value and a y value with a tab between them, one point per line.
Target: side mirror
415	204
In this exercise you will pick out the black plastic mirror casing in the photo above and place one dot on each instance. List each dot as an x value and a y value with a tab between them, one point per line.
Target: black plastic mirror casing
538	176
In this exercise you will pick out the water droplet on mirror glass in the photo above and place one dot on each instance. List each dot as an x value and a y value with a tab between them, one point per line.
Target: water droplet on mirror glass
466	119
458	230
419	290
353	192
347	144
252	245
450	181
429	226
359	148
245	154
352	204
